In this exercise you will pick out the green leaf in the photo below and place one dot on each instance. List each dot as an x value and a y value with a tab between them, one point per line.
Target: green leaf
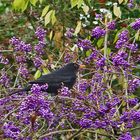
37	74
74	3
79	3
48	17
53	17
41	1
117	11
108	51
116	37
45	71
100	42
33	2
25	6
45	10
88	53
78	28
18	4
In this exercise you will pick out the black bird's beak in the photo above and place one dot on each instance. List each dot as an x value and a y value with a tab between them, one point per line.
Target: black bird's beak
82	66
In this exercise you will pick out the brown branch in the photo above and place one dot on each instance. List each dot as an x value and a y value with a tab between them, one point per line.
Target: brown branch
56	132
76	133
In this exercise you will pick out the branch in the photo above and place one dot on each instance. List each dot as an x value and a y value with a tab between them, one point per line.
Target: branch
5	51
56	132
76	133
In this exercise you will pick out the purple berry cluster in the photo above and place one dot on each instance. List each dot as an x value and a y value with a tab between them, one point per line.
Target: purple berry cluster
39	48
21	59
123	42
85	44
35	104
133	101
69	33
120	59
20	45
98	32
131	4
68	57
111	25
11	131
4	79
98	16
65	91
123	39
92	56
83	85
23	70
24	51
100	62
133	84
37	61
126	136
136	25
40	33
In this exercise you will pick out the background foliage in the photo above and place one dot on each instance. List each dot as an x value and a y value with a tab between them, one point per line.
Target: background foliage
67	23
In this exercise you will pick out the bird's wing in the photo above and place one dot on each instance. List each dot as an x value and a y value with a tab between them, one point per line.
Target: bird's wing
53	79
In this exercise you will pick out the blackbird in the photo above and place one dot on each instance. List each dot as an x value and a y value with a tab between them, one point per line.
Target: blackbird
65	76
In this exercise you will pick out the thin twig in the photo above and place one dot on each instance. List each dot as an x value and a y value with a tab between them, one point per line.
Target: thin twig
76	133
5	51
135	128
57	132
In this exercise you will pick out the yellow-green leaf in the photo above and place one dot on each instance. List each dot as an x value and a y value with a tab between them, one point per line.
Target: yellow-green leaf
117	11
79	3
114	77
33	2
108	51
116	37
37	74
88	53
53	17
78	28
45	71
100	42
18	4
74	3
41	1
48	17
25	6
137	35
126	1
51	35
120	1
45	10
85	8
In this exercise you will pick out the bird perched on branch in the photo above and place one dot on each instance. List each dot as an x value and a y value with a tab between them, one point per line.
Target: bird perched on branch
65	76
